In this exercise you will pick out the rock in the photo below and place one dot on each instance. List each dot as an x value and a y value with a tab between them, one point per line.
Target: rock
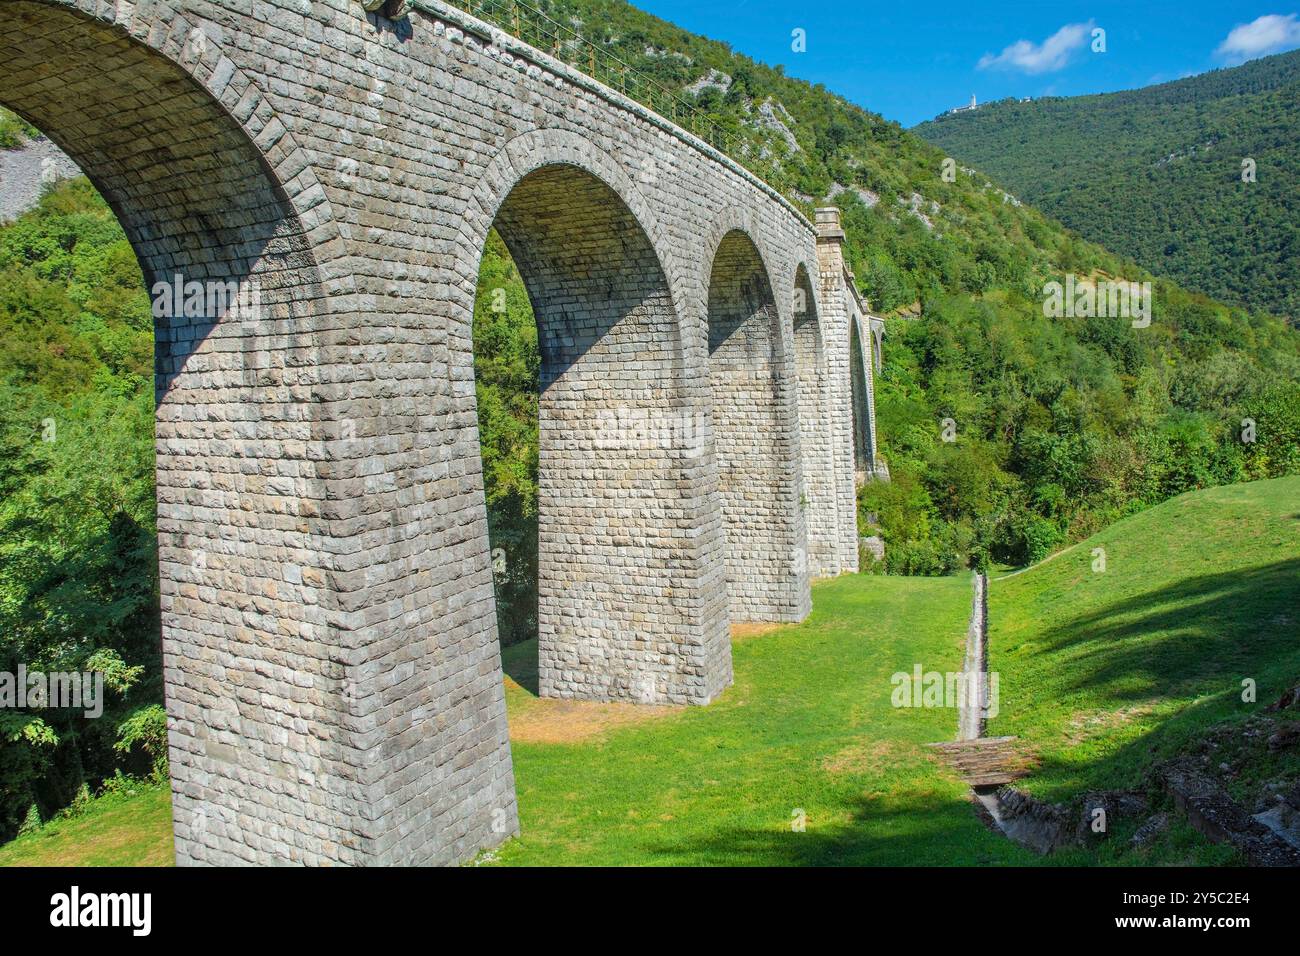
1284	820
1154	825
1212	812
1042	827
1116	805
1288	700
1285	736
1292	799
27	171
873	545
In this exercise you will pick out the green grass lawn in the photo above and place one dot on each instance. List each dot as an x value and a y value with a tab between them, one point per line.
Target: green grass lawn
1104	672
117	830
807	726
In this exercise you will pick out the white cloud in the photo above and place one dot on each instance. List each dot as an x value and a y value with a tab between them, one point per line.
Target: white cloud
1046	57
1271	33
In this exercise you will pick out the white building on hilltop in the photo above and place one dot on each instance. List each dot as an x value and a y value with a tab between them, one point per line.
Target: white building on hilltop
965	109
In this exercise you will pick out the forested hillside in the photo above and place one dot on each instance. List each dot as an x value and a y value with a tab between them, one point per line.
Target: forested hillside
1060	424
78	563
1195	179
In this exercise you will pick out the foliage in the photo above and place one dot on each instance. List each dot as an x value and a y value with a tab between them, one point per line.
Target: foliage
78	544
1064	425
146	728
14	130
506	366
1168	187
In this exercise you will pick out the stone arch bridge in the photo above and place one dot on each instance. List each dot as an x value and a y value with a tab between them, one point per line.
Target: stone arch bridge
333	677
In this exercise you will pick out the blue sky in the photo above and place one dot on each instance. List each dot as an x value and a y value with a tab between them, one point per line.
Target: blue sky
912	59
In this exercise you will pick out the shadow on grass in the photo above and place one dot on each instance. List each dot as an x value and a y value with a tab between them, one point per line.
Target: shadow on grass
926	831
519	661
1196	640
1202	634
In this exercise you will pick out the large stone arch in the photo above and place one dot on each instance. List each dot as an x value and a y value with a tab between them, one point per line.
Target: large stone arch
628	544
816	435
755	430
211	188
526	152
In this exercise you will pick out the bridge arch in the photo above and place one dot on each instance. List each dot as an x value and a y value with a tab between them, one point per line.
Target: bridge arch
755	431
625	542
243	262
526	152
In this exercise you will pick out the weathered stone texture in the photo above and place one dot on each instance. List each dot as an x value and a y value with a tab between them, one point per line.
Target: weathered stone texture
333	675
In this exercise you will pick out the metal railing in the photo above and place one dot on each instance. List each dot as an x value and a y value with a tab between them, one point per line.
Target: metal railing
532	26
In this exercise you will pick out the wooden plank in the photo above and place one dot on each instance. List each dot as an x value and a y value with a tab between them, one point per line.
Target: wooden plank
984	761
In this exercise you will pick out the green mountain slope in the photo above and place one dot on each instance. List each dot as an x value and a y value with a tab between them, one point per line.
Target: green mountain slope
1157	173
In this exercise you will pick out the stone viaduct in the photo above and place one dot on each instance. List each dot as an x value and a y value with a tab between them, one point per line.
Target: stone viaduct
333	676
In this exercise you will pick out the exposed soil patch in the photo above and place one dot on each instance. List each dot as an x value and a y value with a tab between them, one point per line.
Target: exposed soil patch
744	631
1087	724
546	721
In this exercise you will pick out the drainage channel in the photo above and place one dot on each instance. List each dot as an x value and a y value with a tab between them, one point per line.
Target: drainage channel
971	717
988	764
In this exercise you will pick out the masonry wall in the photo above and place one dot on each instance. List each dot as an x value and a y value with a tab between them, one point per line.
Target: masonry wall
333	673
816	433
623	608
754	416
836	321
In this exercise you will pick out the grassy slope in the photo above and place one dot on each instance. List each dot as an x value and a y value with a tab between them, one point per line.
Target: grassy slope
1102	673
116	830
